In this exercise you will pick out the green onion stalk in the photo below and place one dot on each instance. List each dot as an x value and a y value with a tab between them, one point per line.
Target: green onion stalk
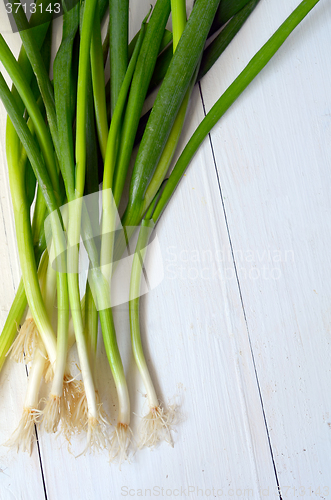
42	132
52	409
49	183
12	324
253	68
118	37
210	54
23	436
142	75
14	150
227	10
100	278
91	328
41	74
138	91
22	349
96	425
24	237
179	22
67	393
22	216
90	220
99	88
64	390
119	147
166	120
157	424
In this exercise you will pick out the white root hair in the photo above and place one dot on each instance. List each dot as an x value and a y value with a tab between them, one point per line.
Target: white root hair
72	418
157	426
97	438
97	434
23	346
23	437
63	409
79	410
72	391
52	413
120	443
96	428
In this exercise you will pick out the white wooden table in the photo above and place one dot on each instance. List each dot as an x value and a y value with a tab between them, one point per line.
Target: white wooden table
239	330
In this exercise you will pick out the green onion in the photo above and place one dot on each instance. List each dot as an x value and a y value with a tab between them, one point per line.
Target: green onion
11	326
217	47
226	10
100	281
13	150
16	74
178	12
157	424
139	86
22	349
167	38
23	435
99	90
38	66
62	89
22	218
62	291
168	102
119	25
96	437
91	186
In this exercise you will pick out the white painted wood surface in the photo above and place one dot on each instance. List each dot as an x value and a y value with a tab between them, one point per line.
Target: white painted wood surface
239	330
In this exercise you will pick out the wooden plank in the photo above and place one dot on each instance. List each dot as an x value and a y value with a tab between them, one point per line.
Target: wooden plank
273	158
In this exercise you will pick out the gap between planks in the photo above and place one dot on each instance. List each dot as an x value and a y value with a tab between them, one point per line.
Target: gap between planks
241	300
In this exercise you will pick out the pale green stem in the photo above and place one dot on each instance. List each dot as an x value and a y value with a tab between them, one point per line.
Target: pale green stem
135	283
99	86
75	207
178	11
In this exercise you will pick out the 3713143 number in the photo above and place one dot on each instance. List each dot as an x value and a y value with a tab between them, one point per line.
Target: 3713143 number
12	8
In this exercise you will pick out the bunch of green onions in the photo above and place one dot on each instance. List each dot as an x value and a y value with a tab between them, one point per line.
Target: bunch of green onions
65	137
